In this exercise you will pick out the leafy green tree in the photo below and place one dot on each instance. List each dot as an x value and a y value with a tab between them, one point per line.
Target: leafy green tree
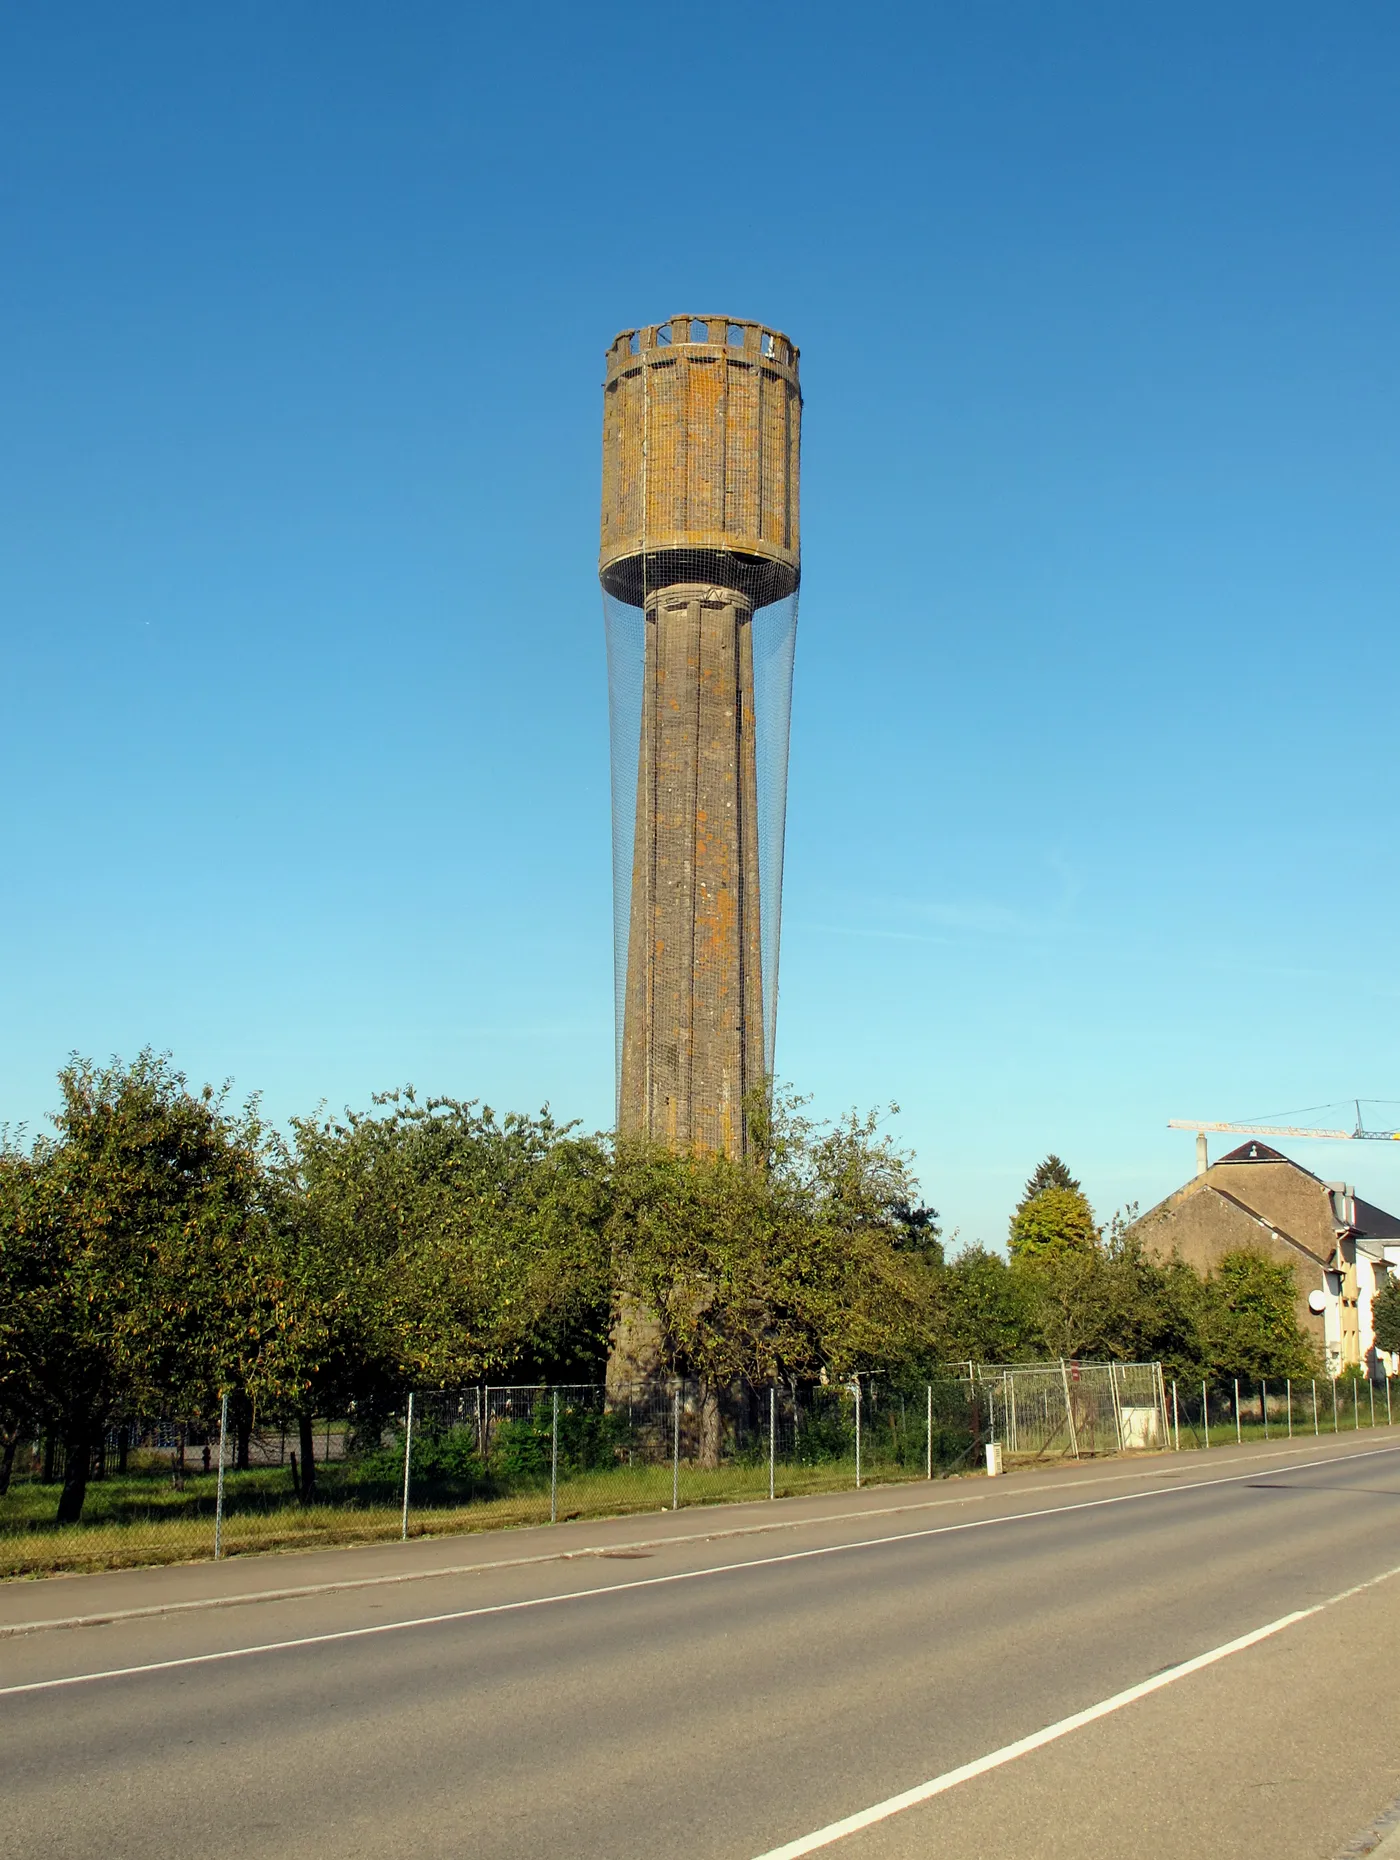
1054	1223
696	1242
799	1266
1385	1312
1152	1309
1069	1290
1249	1321
988	1310
916	1230
869	1245
1112	1301
24	1295
435	1244
131	1228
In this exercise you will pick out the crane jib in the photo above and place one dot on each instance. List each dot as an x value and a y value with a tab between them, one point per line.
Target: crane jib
1289	1130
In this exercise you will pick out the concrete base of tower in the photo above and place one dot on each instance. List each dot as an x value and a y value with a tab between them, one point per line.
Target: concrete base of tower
639	1379
636	1369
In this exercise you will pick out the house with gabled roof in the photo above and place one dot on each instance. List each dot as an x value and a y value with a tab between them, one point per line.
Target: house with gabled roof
1342	1249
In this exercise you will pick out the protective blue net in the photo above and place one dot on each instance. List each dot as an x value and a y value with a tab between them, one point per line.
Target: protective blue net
625	627
774	644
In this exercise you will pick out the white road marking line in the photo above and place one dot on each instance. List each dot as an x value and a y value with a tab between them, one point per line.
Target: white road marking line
658	1582
994	1760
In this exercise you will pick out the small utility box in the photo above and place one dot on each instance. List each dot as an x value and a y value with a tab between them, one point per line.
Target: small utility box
993	1459
1140	1429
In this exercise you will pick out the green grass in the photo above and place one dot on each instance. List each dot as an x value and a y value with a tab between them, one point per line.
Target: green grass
1223	1432
139	1519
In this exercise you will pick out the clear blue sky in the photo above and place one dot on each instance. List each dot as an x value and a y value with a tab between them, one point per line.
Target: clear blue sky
1093	785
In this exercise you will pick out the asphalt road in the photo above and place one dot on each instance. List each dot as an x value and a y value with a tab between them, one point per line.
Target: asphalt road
722	1699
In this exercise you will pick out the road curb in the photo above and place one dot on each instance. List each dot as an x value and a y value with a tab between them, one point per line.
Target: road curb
11	1630
1381	1841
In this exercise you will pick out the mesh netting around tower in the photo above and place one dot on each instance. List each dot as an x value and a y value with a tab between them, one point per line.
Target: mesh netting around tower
625	627
774	647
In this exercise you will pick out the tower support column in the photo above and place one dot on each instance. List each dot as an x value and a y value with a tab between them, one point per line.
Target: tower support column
693	1015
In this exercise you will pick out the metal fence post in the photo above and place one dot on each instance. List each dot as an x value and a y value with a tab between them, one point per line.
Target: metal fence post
857	1433
1264	1404
1069	1409
1316	1429
554	1463
1355	1408
772	1436
1336	1423
407	1461
219	1501
928	1440
1176	1416
1387	1401
1205	1414
1371	1391
1290	1407
1117	1407
676	1451
1238	1435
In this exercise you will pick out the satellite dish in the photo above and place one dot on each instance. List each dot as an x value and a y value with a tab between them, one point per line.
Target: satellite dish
1317	1303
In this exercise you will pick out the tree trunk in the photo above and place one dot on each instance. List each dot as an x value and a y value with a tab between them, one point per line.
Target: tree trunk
242	1429
7	1462
308	1458
709	1418
77	1462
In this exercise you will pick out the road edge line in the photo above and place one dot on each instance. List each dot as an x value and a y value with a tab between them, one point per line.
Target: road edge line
1052	1733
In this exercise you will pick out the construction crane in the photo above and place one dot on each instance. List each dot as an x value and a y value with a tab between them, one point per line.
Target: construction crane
1359	1134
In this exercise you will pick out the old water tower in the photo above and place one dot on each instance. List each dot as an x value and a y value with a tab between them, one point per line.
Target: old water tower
700	565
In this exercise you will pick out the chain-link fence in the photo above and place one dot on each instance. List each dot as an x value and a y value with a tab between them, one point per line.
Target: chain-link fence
1082	1410
1217	1414
480	1458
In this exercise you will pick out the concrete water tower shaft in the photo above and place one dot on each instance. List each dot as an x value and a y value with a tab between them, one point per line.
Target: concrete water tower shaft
700	564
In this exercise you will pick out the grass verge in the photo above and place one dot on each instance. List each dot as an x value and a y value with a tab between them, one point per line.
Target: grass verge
131	1523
